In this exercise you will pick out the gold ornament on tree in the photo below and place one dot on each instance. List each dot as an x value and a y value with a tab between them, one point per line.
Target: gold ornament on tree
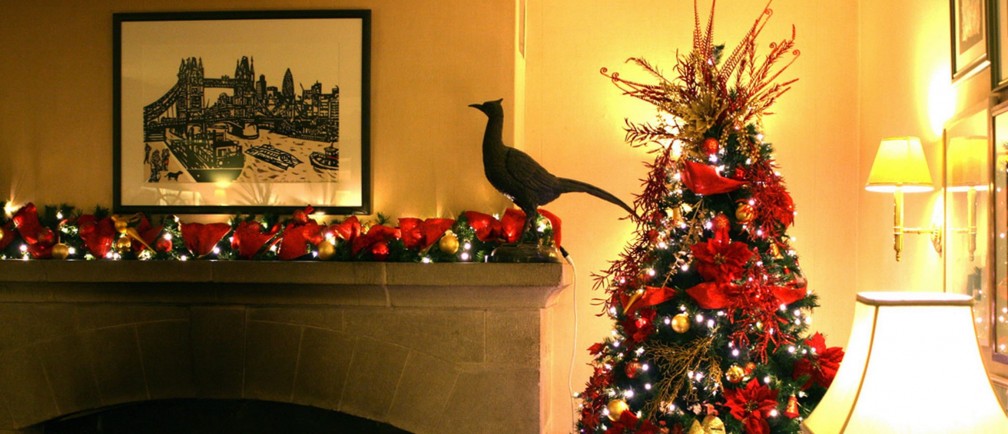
616	407
681	323
711	425
449	243
734	374
745	213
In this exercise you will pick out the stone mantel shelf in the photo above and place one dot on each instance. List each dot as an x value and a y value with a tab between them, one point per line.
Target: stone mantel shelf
465	285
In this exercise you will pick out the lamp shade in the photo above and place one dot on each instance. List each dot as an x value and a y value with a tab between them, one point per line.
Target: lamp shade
912	365
899	163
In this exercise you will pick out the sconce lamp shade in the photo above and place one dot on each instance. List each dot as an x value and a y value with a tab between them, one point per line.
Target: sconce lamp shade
967	160
912	365
899	163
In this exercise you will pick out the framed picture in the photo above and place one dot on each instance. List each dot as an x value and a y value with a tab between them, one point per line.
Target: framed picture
241	112
999	44
969	37
999	296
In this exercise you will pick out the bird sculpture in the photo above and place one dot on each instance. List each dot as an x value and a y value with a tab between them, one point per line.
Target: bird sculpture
520	178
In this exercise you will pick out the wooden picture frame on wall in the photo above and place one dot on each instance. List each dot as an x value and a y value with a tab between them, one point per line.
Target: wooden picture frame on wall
969	37
998	31
242	112
999	296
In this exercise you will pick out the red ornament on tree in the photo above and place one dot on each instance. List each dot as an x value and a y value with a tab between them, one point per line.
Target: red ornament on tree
711	146
632	369
791	410
163	245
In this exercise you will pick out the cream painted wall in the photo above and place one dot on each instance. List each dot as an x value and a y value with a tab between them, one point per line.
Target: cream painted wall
575	118
430	59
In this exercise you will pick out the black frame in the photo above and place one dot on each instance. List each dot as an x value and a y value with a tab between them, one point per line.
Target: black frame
962	68
363	207
997	27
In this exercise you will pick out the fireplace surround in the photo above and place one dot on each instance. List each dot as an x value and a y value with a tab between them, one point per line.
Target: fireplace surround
427	348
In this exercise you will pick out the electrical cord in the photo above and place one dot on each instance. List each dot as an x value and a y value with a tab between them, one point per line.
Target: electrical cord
570	368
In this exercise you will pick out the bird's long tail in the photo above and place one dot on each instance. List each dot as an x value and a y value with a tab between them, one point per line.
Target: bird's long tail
571	185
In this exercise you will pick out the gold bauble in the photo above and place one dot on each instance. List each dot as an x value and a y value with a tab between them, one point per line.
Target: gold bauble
60	251
745	213
711	425
616	408
449	243
734	374
2	234
123	245
326	250
120	224
681	323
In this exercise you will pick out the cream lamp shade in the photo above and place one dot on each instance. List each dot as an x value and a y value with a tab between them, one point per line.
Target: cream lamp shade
899	163
912	365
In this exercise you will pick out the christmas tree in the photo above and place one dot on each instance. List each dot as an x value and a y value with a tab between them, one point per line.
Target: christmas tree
710	307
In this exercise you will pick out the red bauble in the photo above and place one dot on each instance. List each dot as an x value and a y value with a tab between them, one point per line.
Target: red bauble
632	369
711	146
300	216
163	245
380	251
721	222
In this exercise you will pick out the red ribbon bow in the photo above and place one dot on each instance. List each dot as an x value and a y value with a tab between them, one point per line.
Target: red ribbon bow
97	235
39	239
250	239
421	234
201	238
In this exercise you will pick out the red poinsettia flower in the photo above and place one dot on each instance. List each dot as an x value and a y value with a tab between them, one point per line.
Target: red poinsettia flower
719	258
821	364
751	405
629	423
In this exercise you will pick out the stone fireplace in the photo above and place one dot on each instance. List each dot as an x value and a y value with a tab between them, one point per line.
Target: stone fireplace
427	348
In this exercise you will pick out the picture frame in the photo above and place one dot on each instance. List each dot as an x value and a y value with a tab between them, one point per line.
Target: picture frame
998	336
969	37
238	112
998	31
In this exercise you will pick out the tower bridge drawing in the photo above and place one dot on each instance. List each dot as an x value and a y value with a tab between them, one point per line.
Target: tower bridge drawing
211	124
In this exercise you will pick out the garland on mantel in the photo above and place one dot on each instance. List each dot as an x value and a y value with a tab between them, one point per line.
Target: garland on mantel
62	232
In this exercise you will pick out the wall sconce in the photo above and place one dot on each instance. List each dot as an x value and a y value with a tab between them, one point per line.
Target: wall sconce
900	167
967	164
912	365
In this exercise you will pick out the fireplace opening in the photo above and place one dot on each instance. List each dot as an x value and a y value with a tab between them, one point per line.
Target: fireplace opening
212	416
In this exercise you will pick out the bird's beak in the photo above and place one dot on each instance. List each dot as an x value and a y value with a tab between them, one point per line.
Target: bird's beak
476	106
